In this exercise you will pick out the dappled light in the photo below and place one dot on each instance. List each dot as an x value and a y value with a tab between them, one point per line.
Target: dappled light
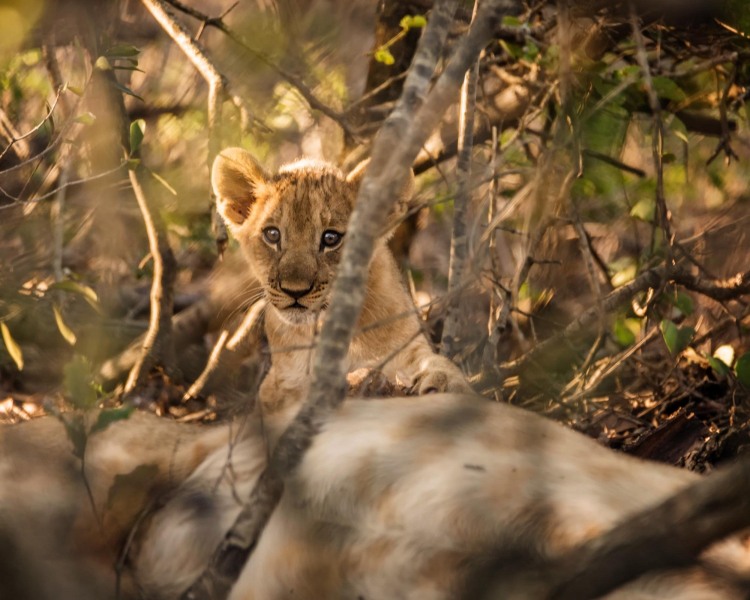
374	299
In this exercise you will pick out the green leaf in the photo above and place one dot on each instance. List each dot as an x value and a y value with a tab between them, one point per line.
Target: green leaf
623	271
128	68
719	366
111	415
68	285
76	433
103	64
78	382
163	181
137	129
677	339
383	55
644	210
668	89
86	118
623	333
13	348
511	21
126	90
683	303
513	50
530	51
122	51
725	353
65	331
677	127
75	89
742	369
412	22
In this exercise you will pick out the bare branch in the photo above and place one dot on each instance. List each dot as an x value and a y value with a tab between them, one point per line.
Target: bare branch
718	289
228	351
217	91
670	535
459	242
157	345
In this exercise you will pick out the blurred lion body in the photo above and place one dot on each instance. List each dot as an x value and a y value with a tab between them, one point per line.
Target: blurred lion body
396	498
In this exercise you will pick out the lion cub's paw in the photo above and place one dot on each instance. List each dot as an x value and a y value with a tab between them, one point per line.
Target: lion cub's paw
372	383
439	380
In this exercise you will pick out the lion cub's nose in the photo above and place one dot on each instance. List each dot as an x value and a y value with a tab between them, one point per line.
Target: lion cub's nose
297	294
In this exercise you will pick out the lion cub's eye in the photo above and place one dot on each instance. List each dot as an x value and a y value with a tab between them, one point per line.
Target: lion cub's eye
272	235
331	239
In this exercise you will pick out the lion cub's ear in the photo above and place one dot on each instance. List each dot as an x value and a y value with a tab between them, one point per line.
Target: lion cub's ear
236	178
403	202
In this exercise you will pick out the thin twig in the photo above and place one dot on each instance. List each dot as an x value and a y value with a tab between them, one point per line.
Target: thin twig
157	345
38	126
657	145
227	351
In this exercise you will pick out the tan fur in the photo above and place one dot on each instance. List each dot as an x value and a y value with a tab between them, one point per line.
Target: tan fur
402	498
396	498
70	538
303	201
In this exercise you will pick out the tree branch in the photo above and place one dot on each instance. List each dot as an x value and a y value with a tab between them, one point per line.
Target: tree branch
459	243
668	536
157	345
717	289
395	148
218	90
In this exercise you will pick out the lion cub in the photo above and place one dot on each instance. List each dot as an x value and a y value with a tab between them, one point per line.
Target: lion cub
291	226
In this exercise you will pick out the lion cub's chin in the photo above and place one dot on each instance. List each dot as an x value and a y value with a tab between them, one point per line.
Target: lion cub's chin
298	316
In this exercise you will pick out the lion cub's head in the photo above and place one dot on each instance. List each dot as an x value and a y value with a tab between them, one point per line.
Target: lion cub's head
291	225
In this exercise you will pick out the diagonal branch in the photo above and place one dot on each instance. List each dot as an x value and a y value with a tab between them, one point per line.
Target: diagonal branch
395	148
671	535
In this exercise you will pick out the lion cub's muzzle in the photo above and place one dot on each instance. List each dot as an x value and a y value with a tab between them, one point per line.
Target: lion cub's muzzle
298	304
299	297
